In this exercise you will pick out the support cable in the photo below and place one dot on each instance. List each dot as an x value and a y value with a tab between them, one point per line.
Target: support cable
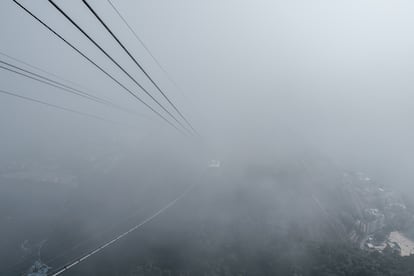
136	62
114	61
97	66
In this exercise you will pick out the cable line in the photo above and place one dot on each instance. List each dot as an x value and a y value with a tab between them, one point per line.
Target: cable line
143	44
47	83
135	61
97	66
55	106
57	84
66	80
115	239
114	61
80	93
40	69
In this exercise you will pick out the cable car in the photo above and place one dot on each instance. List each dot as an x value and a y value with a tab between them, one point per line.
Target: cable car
214	164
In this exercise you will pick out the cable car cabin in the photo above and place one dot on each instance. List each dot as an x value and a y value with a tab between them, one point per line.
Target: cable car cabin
214	164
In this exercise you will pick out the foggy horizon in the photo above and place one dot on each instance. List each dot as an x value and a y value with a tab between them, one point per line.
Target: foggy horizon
307	95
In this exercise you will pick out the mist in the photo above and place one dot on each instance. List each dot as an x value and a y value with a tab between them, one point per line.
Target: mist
295	103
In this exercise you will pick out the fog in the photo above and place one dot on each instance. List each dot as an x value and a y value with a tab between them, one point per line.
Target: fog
298	91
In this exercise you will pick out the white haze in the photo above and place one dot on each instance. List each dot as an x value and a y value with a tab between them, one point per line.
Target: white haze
294	92
338	74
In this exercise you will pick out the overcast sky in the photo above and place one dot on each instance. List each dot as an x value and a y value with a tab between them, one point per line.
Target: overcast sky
338	74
